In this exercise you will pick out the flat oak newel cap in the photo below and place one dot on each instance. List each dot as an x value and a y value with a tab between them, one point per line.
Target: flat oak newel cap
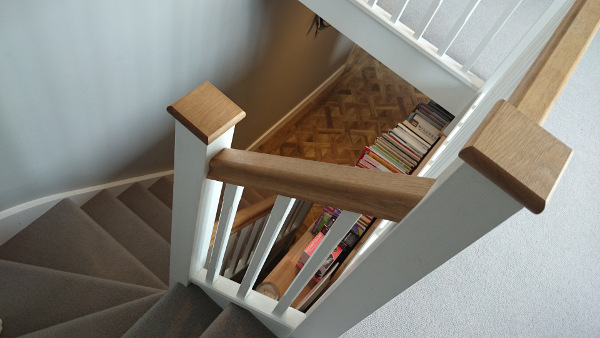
518	155
206	112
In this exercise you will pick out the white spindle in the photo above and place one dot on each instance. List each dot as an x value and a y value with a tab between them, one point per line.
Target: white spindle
231	199
258	225
371	3
397	13
458	27
229	252
242	242
280	211
334	236
195	201
505	78
490	35
289	220
435	5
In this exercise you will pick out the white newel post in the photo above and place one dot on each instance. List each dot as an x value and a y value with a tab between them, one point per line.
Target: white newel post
206	120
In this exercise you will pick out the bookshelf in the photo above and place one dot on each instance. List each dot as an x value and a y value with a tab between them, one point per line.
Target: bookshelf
425	126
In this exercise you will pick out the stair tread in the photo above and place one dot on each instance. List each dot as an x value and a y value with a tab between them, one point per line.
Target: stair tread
236	322
34	298
149	208
65	238
252	196
131	232
181	312
112	322
163	189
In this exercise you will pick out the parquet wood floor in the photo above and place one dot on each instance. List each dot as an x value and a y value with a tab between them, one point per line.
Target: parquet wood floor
365	101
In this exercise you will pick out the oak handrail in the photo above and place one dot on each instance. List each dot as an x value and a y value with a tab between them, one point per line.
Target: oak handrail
248	215
385	195
544	81
510	147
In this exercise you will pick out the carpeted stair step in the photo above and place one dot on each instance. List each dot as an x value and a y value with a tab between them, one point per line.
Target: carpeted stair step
131	232
112	322
149	208
163	189
65	238
181	312
33	298
236	322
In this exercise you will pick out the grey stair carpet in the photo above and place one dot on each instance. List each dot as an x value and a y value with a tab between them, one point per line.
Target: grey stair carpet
236	322
33	298
163	189
113	322
67	239
131	232
181	312
101	271
149	208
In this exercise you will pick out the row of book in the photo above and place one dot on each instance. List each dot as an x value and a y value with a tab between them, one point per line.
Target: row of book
400	150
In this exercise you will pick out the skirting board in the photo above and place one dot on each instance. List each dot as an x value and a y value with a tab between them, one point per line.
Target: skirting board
298	108
18	217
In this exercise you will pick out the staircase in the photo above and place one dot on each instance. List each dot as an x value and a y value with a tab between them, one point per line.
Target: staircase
102	270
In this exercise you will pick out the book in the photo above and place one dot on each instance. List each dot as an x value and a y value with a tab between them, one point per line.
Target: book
434	122
307	301
410	139
403	148
432	114
389	157
441	110
374	154
419	133
398	155
412	136
424	126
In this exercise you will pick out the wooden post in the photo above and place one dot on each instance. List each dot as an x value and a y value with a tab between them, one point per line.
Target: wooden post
205	123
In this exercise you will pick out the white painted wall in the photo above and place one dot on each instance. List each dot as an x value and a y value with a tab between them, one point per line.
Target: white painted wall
84	85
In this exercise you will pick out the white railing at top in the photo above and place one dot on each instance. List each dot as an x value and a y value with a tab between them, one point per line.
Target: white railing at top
439	52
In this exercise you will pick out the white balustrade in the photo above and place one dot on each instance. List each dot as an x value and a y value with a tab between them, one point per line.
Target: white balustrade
278	215
433	8
256	228
397	13
231	199
458	26
510	8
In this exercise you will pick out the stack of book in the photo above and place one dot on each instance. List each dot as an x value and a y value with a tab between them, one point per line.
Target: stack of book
400	150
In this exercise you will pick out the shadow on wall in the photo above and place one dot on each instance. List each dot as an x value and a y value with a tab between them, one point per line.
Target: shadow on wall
159	156
285	67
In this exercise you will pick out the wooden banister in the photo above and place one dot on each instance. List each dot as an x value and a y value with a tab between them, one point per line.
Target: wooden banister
385	195
510	147
206	112
541	86
248	215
